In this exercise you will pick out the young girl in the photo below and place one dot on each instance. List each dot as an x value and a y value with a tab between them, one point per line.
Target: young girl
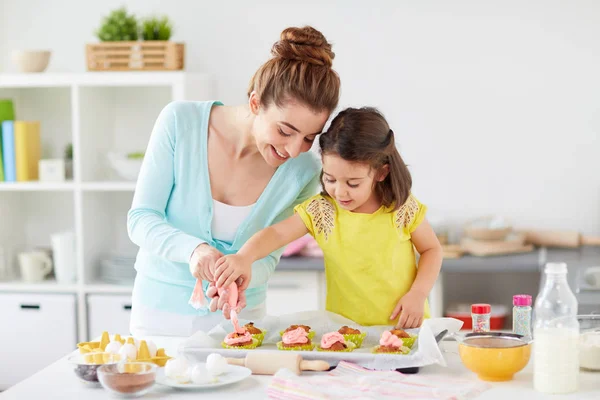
366	221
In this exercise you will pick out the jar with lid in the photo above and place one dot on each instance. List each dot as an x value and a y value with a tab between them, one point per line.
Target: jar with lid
522	315
480	314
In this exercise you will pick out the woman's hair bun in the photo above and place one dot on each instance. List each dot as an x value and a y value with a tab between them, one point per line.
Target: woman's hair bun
304	44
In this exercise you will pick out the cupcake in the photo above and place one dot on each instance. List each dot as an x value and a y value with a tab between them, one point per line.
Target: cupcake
296	339
240	338
334	341
390	344
311	334
255	332
353	335
407	339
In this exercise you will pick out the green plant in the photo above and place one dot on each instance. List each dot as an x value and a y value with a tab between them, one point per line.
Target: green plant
157	28
118	26
69	152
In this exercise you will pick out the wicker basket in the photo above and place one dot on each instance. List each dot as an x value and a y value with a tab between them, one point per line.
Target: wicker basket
135	56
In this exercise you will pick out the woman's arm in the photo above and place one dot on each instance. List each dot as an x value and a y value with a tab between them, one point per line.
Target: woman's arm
146	222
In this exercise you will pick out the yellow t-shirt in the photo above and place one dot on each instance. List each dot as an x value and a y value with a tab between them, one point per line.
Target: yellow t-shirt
370	261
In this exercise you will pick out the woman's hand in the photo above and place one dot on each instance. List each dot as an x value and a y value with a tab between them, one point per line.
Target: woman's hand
410	307
202	262
222	302
231	268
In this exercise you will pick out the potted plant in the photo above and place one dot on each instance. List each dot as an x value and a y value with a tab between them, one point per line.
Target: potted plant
126	44
69	161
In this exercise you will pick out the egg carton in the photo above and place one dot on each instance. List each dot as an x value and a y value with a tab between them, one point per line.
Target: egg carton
95	352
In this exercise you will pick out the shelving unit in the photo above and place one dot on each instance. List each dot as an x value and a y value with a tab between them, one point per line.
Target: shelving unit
97	112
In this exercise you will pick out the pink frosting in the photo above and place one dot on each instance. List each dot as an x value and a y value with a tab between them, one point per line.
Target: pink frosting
236	324
330	338
298	335
390	340
230	340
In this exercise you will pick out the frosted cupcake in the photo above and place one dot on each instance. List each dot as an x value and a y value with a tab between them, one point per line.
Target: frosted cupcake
390	344
256	333
353	335
334	341
408	340
311	333
240	338
296	339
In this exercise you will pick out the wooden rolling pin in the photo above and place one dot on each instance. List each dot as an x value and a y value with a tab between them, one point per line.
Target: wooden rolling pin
268	363
570	239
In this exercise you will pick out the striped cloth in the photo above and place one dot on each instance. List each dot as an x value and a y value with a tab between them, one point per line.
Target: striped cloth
351	382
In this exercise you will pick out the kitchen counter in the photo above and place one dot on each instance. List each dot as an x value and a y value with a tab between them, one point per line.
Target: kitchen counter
523	262
59	381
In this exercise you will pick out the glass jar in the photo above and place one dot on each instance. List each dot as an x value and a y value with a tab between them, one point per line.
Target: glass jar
480	314
522	315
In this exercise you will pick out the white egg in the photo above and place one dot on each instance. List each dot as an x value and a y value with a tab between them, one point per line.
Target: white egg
216	364
151	348
135	341
113	347
178	370
200	375
128	351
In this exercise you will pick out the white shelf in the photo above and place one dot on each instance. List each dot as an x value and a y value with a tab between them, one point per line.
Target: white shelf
49	286
127	79
98	112
36	186
108	186
107	288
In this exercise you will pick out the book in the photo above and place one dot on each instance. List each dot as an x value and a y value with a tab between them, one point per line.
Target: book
8	151
28	150
7	113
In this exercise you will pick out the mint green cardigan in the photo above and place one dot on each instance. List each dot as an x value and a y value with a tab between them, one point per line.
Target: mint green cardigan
172	210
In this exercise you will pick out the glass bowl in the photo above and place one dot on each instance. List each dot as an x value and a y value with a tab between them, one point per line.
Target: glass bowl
86	365
127	379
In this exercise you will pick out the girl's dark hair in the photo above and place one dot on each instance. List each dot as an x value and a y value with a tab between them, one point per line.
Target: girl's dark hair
363	135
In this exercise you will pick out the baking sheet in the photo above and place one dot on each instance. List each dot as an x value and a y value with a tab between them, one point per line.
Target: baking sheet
424	352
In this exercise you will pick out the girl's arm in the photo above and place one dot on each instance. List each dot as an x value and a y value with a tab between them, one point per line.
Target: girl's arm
231	267
411	305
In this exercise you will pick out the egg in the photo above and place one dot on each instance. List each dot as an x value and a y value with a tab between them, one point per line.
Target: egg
128	352
151	348
135	342
178	370
216	364
201	376
113	347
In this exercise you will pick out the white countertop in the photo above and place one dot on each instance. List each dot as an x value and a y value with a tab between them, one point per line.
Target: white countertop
59	381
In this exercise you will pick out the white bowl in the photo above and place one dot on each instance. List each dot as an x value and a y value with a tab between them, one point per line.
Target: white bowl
31	60
126	168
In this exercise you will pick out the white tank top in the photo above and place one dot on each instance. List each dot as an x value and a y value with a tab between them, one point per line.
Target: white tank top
227	220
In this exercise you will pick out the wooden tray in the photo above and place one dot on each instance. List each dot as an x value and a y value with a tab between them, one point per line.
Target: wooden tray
514	244
135	56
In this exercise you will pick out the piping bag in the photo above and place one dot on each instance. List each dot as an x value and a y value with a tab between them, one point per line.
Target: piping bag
198	300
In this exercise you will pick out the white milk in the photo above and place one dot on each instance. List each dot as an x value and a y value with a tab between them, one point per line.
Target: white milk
555	360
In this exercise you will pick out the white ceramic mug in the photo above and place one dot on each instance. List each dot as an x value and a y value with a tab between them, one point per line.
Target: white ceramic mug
592	277
63	253
35	266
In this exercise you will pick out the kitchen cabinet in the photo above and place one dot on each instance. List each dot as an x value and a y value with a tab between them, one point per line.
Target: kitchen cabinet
37	330
109	313
295	291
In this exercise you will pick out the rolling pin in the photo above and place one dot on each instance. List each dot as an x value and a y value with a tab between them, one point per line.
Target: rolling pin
264	363
569	239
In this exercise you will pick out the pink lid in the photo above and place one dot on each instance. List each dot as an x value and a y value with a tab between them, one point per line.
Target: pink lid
522	300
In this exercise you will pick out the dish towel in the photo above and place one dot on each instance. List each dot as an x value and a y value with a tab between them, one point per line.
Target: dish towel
351	382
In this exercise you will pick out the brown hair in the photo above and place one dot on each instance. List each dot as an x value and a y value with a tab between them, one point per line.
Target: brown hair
363	135
299	70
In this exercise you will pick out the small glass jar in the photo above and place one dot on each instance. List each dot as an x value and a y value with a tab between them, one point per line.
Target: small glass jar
480	314
522	314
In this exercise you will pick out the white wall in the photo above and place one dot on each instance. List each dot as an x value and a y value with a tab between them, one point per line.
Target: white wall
495	103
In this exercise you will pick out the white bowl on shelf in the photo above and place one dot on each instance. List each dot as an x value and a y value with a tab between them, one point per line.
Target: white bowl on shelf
126	167
31	60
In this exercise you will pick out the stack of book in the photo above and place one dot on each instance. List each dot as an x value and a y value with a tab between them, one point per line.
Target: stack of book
20	146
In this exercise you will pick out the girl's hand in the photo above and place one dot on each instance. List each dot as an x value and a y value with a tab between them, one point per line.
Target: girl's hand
410	307
203	260
232	267
222	302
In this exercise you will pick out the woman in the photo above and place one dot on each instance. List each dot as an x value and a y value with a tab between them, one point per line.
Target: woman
213	175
